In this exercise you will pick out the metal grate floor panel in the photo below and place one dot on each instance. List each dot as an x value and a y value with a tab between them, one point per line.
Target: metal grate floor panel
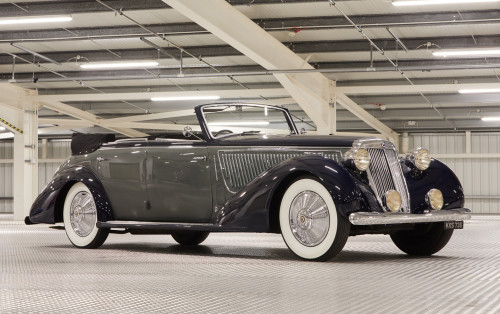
42	272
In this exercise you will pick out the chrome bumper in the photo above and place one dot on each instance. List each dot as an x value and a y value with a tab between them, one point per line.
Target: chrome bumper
372	218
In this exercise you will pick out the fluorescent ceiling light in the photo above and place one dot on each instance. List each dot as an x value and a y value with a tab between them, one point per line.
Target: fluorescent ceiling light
430	2
239	123
119	65
6	135
35	19
468	52
489	119
479	91
2	128
185	98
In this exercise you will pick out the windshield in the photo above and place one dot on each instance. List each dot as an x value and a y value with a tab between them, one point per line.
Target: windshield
231	120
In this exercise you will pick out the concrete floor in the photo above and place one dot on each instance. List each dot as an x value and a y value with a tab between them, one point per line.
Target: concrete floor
42	272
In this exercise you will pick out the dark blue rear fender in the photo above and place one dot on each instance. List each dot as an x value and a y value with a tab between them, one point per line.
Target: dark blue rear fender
48	206
437	176
252	208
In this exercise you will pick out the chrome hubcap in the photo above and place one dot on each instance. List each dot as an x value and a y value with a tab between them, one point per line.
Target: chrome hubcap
83	214
309	218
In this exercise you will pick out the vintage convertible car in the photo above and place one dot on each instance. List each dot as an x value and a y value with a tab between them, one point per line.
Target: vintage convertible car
248	169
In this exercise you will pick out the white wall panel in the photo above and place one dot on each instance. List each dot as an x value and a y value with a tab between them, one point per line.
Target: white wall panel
55	150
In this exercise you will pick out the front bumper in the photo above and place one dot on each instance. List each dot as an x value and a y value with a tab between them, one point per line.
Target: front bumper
372	218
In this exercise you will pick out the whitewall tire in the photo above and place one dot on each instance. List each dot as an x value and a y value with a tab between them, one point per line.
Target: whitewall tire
309	222
80	218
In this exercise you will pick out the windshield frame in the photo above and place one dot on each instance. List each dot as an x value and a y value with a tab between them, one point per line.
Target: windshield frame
204	125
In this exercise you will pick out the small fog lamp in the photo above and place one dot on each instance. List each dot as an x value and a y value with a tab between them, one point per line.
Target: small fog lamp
434	199
393	200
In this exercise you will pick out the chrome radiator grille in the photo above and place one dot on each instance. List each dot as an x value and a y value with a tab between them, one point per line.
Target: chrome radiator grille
241	167
385	174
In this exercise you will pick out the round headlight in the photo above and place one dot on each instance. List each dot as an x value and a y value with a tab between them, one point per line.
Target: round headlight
420	157
393	200
362	159
434	199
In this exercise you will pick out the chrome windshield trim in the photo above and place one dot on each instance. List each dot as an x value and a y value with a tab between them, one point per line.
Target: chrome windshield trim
286	113
372	218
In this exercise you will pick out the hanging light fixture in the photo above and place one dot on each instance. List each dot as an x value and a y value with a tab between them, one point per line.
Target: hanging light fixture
35	20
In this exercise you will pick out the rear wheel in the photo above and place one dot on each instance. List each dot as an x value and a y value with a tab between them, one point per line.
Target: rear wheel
80	218
310	224
424	240
190	237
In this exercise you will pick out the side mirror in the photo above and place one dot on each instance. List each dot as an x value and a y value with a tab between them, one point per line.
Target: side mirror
187	132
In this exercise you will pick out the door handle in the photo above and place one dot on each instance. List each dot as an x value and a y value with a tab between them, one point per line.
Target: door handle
99	159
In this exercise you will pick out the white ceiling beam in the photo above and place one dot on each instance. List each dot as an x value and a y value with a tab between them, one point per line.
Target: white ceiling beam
83	115
55	129
12	96
154	116
412	89
348	104
66	122
310	90
151	126
243	34
236	93
12	116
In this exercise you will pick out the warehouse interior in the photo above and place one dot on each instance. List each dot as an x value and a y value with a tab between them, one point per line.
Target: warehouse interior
418	73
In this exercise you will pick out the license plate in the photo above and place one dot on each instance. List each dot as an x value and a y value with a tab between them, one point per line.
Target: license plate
453	225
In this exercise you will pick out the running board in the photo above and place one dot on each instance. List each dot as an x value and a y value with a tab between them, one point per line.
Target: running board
174	226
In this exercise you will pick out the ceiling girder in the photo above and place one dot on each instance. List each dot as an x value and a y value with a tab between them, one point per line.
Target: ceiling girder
80	114
308	47
322	22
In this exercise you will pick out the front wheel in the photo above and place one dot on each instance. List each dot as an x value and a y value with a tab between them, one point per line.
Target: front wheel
190	237
424	240
310	224
80	218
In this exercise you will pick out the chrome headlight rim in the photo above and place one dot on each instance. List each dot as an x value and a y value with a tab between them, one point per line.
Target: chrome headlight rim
420	158
434	199
360	157
393	201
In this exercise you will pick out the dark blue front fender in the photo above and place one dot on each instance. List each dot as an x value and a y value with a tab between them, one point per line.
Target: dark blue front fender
437	176
48	206
250	208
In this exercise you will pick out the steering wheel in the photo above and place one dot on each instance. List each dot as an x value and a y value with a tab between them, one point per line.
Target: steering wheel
222	132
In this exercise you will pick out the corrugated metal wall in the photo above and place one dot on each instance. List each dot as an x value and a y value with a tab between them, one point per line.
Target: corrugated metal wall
6	190
479	176
55	150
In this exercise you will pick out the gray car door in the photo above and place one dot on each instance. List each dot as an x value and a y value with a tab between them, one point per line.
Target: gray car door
178	183
122	172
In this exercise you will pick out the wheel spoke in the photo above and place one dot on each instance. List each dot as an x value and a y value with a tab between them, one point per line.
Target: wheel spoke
309	218
83	214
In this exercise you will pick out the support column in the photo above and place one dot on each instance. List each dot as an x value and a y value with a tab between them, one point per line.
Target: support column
468	142
405	143
25	181
332	121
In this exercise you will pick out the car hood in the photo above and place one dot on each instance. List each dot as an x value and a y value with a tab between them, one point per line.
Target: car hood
287	140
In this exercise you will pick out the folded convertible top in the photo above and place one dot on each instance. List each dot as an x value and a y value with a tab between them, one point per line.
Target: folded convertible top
88	143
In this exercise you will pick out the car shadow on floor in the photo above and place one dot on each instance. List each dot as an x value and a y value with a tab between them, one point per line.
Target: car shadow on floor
346	256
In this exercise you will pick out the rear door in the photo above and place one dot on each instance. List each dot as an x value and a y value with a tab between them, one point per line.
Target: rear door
122	172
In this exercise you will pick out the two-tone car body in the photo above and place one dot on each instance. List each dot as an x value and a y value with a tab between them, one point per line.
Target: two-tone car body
249	170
